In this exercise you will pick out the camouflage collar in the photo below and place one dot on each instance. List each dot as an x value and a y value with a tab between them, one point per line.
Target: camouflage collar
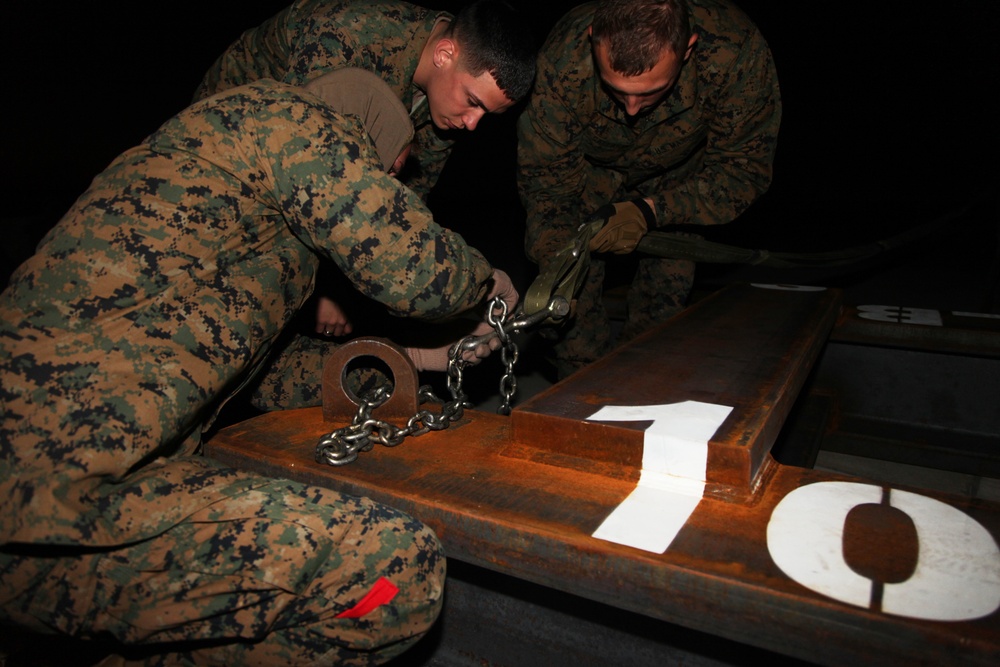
683	97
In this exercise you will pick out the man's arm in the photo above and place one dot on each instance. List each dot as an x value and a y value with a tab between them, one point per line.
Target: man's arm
391	249
550	170
339	201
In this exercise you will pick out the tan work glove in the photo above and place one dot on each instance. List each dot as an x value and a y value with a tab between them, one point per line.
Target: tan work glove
625	223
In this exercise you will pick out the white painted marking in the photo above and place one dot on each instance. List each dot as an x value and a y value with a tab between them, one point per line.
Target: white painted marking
805	538
674	469
958	569
957	576
989	316
900	315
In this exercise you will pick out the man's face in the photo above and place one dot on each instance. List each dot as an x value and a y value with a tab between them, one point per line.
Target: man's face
459	100
639	94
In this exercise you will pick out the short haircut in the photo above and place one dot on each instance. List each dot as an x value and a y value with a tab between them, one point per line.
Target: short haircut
494	38
636	32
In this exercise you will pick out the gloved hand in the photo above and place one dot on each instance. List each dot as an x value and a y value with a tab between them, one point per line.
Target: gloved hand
503	288
625	223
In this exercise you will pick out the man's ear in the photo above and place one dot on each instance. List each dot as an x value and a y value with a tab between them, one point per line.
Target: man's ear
690	48
445	52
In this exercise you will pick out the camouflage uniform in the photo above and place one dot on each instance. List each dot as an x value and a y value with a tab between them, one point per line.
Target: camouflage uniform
703	155
312	37
159	293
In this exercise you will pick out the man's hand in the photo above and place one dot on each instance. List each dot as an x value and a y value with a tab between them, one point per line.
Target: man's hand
437	358
625	223
503	288
483	350
331	320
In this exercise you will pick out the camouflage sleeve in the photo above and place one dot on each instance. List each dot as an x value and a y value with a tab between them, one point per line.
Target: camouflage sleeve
427	160
259	53
294	377
392	250
739	156
339	202
551	167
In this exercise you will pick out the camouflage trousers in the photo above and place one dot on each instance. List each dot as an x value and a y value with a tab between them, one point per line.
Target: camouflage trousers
284	574
657	290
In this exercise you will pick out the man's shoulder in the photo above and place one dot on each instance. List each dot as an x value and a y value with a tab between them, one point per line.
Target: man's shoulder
728	39
229	108
568	43
259	89
720	18
271	113
577	17
383	36
353	15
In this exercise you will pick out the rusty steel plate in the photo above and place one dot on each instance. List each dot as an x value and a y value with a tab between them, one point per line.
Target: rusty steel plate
814	565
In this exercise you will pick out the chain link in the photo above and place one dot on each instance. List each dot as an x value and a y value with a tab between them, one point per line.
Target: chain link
342	446
508	355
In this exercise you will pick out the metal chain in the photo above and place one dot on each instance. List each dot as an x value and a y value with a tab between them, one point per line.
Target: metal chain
343	445
508	355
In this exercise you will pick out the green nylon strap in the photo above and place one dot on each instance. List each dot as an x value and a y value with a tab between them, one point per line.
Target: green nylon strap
565	274
685	246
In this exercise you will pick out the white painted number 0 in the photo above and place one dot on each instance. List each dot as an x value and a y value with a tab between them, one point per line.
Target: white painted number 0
957	576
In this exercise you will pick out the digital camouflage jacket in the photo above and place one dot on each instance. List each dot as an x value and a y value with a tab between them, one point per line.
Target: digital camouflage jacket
165	286
312	37
704	154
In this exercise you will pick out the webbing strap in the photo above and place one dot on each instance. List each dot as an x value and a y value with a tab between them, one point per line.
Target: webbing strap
685	246
563	275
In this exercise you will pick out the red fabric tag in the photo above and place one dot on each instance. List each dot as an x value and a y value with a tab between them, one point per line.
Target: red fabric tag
381	593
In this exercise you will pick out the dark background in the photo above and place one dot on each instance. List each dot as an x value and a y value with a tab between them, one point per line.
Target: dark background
889	120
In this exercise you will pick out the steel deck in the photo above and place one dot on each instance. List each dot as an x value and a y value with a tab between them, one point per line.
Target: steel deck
778	557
